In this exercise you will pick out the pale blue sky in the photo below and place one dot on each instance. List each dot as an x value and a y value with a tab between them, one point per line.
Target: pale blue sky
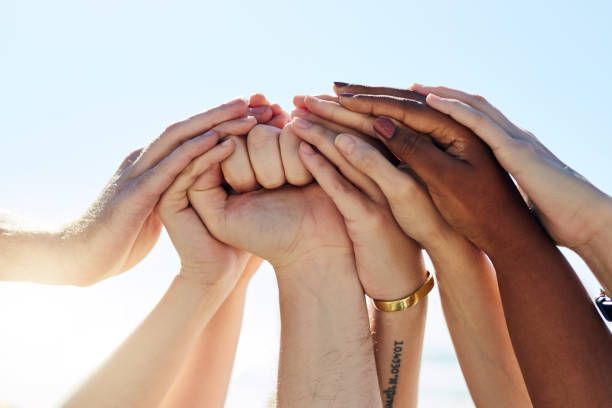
84	83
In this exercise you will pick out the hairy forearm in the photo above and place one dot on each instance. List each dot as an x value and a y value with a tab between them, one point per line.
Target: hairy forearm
475	318
205	376
597	253
398	344
140	372
326	357
561	343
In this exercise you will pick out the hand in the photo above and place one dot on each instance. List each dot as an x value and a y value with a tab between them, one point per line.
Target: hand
285	226
389	263
122	225
204	260
463	178
567	204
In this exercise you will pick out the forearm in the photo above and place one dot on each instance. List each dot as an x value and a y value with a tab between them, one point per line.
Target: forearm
597	253
205	376
398	344
326	356
34	255
140	372
562	345
472	307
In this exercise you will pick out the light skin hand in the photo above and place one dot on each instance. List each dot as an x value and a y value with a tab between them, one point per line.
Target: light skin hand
141	371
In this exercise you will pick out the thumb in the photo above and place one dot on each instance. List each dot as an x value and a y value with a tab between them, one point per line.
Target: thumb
415	149
208	197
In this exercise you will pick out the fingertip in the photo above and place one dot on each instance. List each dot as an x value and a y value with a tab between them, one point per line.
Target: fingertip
345	143
299	113
298	101
306	149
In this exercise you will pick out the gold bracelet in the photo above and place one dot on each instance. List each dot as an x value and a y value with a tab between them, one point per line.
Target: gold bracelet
407	302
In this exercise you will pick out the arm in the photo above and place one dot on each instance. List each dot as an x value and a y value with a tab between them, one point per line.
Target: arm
213	352
467	284
140	372
121	227
560	342
575	213
326	351
389	263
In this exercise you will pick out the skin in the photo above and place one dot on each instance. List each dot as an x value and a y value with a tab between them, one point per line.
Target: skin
574	212
122	225
479	200
326	354
209	271
215	348
467	284
389	264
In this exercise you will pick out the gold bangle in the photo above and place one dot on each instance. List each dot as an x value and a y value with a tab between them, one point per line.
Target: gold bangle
407	302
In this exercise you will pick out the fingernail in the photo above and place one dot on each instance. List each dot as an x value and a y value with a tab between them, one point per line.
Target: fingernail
345	143
300	112
416	84
258	110
347	95
433	97
340	84
385	128
302	123
227	142
306	149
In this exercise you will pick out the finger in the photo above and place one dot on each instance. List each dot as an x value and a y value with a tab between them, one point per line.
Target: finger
179	132
415	115
175	197
430	163
240	126
237	169
262	113
295	172
475	101
323	140
335	112
279	120
208	197
276	109
485	128
337	128
343	87
156	180
370	161
265	156
298	100
258	99
351	203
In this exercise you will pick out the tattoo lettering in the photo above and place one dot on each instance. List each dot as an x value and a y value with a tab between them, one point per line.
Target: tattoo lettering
395	367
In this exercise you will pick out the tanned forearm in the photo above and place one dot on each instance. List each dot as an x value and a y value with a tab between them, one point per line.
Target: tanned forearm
561	343
326	356
472	307
141	371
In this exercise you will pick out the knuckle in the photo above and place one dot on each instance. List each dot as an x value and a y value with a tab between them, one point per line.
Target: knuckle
479	99
261	135
271	181
410	145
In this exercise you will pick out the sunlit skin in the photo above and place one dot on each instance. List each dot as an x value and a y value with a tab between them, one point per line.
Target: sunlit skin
478	199
467	284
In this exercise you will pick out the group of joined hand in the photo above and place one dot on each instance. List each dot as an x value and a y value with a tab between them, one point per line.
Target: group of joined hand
341	198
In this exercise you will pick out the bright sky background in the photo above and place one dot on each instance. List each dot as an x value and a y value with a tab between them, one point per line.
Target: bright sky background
82	84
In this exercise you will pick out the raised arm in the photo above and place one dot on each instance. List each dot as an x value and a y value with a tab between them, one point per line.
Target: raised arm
121	227
389	264
467	284
560	342
326	350
141	371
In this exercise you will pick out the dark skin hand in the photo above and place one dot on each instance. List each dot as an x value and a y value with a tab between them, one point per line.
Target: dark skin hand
560	341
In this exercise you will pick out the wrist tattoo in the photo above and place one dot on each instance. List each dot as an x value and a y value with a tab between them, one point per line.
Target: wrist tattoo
396	361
